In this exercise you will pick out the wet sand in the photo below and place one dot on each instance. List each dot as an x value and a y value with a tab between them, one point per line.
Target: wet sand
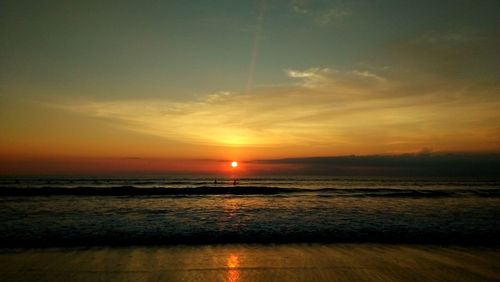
291	262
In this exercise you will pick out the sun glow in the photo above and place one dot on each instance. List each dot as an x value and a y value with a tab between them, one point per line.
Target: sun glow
234	164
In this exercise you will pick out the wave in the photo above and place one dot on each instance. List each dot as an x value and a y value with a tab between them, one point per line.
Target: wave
247	190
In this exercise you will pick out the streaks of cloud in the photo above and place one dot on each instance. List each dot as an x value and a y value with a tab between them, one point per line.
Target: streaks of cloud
322	14
438	97
324	107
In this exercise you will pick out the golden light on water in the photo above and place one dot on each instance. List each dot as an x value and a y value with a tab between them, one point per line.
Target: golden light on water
233	274
233	261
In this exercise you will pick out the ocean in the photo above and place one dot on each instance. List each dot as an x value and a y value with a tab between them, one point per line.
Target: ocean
172	210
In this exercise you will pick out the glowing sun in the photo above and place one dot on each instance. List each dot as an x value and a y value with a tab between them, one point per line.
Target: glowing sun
234	164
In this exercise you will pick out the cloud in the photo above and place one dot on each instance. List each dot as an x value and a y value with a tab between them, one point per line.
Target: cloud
312	77
332	78
218	96
349	110
415	100
302	112
321	14
333	15
416	164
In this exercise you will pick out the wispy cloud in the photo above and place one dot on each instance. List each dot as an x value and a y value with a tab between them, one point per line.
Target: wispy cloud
328	78
350	110
333	15
437	97
321	14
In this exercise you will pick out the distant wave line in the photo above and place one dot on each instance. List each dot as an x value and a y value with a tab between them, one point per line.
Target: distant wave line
246	190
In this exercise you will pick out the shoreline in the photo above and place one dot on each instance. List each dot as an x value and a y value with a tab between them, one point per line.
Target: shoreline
253	262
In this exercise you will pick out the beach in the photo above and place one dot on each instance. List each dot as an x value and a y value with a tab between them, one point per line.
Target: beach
253	262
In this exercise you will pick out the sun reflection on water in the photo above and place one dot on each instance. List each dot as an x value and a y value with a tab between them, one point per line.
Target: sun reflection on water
233	263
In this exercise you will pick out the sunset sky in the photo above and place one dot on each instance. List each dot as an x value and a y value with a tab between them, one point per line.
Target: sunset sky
187	86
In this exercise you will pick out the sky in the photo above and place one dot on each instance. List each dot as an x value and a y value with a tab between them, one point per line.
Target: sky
187	86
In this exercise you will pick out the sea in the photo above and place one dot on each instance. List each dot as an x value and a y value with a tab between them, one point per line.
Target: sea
167	210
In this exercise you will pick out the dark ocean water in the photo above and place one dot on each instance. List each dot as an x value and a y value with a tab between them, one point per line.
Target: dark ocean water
175	210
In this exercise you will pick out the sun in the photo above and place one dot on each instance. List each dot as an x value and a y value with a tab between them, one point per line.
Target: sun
234	164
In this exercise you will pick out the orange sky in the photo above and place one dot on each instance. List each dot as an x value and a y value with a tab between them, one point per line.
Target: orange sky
91	89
